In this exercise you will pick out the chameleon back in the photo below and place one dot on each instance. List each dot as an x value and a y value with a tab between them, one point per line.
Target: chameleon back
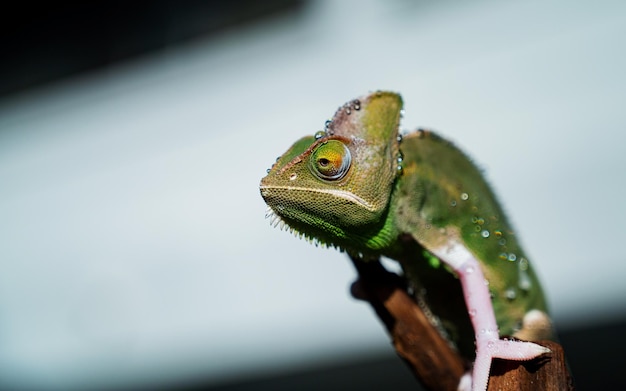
440	188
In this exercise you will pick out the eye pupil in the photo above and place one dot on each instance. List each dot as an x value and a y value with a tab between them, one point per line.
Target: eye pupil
331	160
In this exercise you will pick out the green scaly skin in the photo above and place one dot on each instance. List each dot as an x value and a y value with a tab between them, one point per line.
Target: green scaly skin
358	187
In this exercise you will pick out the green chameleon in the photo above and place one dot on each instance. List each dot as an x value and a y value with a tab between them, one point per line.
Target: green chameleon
361	187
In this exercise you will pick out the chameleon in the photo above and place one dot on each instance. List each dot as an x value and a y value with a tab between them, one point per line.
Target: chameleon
361	186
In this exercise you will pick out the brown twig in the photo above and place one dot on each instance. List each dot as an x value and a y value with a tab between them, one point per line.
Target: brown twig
436	364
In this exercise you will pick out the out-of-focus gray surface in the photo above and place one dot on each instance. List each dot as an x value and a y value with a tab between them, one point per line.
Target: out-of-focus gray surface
132	238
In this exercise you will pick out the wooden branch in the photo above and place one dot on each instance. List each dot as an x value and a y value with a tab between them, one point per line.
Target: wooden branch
432	360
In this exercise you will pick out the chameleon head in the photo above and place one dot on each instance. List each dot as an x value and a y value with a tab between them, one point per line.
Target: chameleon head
339	181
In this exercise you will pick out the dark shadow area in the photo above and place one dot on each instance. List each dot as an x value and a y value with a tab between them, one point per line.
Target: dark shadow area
43	42
595	356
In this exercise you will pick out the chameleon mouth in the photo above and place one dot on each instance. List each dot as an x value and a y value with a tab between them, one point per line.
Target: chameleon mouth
342	194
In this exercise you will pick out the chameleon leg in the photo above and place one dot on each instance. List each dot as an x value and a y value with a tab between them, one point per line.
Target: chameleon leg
478	301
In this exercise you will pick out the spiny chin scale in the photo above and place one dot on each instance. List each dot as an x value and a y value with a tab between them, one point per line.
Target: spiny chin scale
277	221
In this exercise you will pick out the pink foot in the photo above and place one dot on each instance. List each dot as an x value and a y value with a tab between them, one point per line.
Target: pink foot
478	301
510	350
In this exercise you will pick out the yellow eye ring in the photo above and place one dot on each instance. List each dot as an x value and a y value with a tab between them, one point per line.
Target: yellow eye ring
331	160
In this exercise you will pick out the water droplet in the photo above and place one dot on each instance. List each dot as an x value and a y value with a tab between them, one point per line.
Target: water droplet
525	284
485	234
477	228
510	294
293	176
474	219
319	134
523	264
502	242
453	203
464	196
327	124
512	257
491	344
483	331
504	256
469	269
524	281
348	111
472	312
268	170
498	233
356	104
402	113
399	138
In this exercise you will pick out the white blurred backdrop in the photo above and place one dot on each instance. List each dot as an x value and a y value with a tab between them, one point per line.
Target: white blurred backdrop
133	244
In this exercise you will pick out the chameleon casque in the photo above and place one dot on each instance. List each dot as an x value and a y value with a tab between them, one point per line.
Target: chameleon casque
361	187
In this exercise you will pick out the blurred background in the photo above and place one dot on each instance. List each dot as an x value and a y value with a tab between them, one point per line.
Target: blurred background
134	252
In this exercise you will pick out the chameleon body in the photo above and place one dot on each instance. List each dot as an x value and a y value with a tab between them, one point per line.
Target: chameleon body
418	199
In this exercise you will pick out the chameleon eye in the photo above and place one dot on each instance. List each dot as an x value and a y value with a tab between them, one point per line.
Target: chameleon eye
331	160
